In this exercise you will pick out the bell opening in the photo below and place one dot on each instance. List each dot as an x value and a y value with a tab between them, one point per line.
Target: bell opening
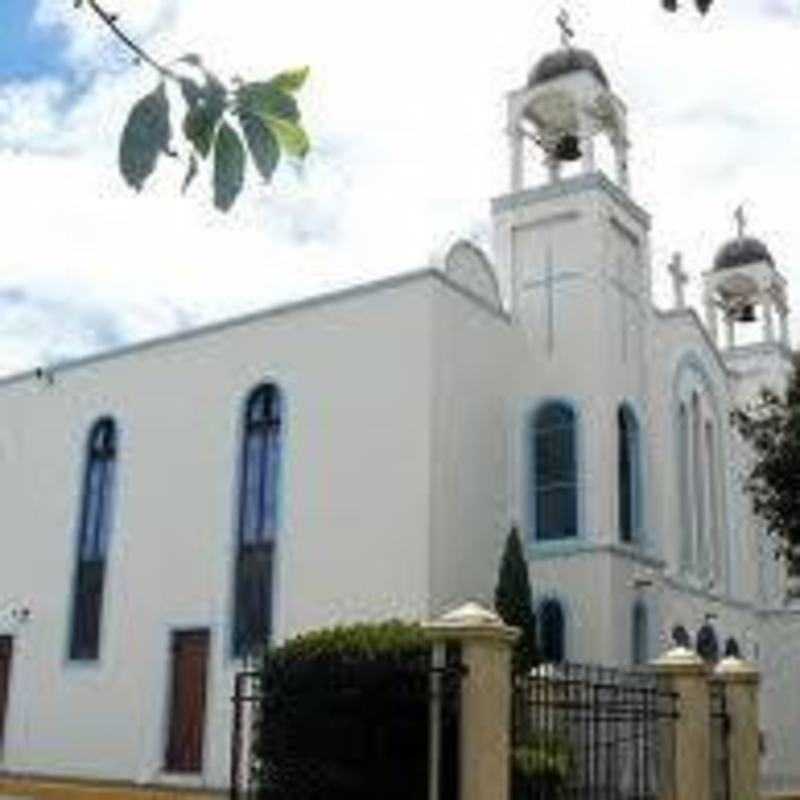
747	314
568	148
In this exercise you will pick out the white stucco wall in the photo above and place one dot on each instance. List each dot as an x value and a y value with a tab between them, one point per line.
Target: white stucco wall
353	541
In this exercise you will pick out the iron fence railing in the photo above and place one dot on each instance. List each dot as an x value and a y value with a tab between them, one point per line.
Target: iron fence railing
591	733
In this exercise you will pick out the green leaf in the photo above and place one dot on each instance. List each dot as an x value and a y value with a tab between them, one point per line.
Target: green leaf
192	92
191	173
293	139
264	99
229	162
262	144
290	81
146	134
198	127
206	106
192	59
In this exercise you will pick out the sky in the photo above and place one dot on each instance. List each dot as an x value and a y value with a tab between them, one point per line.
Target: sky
405	106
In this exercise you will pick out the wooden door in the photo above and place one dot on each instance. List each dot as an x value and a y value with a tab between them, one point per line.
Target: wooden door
6	649
187	710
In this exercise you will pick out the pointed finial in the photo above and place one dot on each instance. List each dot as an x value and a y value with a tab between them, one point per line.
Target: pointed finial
567	33
741	221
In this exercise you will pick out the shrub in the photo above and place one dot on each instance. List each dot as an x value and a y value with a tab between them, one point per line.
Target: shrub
512	599
345	714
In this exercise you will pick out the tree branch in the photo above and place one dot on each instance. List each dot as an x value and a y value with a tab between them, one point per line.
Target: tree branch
110	20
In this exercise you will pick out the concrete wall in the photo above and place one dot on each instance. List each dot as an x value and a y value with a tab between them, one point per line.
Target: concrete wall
353	540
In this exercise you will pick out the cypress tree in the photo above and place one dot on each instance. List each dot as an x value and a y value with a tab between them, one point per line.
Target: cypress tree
513	602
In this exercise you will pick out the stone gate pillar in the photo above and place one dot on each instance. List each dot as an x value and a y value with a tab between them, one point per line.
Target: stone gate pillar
686	760
485	737
741	681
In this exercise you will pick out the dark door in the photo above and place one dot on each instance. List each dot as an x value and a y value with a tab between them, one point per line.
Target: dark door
187	710
6	647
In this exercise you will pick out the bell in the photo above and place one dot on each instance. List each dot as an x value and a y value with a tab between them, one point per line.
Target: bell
747	314
568	148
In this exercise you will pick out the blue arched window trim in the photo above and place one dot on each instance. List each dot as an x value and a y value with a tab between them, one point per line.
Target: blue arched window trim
551	623
93	541
554	462
629	475
261	457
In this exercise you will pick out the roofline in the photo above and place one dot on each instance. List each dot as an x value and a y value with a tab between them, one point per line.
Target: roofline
303	304
690	313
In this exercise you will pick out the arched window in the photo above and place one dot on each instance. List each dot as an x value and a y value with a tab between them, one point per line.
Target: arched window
628	475
684	499
258	518
93	541
699	481
555	473
713	506
640	635
551	632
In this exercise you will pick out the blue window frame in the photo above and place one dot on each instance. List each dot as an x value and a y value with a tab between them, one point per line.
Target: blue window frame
93	541
629	475
258	518
551	632
555	471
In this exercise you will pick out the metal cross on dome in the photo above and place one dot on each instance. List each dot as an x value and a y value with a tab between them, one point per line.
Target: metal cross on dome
567	32
741	220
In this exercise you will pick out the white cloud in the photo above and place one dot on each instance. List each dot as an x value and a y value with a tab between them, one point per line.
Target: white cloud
406	110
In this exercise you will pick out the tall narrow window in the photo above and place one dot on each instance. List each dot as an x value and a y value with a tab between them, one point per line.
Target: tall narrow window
687	554
699	479
258	519
713	506
93	540
640	634
628	473
555	473
551	632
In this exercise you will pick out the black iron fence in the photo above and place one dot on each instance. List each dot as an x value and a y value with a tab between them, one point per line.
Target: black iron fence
720	746
353	731
591	733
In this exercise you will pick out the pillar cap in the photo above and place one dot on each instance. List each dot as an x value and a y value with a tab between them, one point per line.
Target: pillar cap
737	670
680	660
471	621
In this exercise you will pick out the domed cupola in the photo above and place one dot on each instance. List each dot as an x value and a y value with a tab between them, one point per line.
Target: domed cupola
564	62
742	251
564	106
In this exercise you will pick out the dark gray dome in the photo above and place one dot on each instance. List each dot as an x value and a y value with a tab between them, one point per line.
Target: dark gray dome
562	62
740	252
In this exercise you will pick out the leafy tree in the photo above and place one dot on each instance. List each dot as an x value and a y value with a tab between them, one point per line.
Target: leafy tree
512	599
226	124
771	426
702	5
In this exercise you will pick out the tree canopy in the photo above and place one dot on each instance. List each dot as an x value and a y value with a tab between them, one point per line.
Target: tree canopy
771	427
227	124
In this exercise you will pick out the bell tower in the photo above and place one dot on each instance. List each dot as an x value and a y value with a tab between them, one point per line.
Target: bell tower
565	106
573	250
745	290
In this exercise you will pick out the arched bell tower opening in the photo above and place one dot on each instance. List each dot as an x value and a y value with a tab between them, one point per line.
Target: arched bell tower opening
745	295
566	110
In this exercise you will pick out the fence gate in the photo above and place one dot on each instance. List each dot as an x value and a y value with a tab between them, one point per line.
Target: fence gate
720	743
590	733
362	732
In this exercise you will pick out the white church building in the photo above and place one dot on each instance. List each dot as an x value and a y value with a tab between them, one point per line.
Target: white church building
363	455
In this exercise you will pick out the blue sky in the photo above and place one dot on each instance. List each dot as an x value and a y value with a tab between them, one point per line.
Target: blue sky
29	51
405	107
